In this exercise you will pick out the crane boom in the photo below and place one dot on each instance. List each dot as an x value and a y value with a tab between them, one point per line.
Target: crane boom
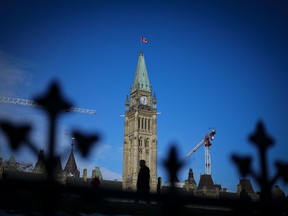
205	140
24	102
196	147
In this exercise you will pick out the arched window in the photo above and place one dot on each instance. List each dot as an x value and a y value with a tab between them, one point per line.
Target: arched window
148	124
138	123
147	143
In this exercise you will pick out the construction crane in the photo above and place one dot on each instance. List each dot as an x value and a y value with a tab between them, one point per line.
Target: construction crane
206	141
25	102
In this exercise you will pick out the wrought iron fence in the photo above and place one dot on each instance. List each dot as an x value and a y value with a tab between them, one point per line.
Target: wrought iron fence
47	196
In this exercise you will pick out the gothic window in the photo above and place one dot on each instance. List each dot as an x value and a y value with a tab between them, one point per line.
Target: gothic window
145	123
148	124
146	143
138	123
142	126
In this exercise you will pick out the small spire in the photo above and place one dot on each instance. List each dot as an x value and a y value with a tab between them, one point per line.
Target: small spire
191	179
71	166
154	99
154	102
127	101
72	144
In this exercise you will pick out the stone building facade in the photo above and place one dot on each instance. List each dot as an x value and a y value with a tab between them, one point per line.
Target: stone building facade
140	129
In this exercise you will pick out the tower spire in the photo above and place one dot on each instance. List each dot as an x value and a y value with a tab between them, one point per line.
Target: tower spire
72	144
141	80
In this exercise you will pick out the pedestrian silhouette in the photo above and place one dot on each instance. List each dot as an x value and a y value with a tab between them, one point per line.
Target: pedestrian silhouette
143	183
95	182
159	185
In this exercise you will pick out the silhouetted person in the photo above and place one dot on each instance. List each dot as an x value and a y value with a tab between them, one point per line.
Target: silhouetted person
143	182
95	182
159	185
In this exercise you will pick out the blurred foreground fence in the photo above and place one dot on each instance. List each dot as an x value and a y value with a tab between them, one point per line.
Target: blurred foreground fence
46	196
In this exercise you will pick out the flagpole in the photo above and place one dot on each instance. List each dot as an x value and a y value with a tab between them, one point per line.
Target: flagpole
141	45
143	40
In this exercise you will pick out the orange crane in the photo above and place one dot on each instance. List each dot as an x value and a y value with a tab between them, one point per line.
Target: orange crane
25	102
207	143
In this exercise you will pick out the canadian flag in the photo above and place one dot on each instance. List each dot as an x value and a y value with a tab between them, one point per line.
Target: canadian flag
144	40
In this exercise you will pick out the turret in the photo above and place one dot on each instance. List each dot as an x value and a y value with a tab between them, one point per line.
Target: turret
127	103
154	102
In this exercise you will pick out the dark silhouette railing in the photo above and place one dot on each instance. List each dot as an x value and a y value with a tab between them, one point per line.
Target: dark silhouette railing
262	142
48	196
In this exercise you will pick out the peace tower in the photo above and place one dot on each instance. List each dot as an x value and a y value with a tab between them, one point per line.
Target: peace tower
140	129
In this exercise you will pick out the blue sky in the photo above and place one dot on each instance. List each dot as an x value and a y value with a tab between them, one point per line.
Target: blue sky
220	64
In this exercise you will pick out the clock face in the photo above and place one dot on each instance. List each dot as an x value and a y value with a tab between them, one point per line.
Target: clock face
144	100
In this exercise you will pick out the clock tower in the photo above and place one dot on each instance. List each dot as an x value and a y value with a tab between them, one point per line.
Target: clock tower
140	130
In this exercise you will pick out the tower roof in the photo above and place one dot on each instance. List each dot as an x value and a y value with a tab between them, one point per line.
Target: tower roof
141	80
41	156
191	179
205	180
71	167
98	173
40	164
12	160
246	185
